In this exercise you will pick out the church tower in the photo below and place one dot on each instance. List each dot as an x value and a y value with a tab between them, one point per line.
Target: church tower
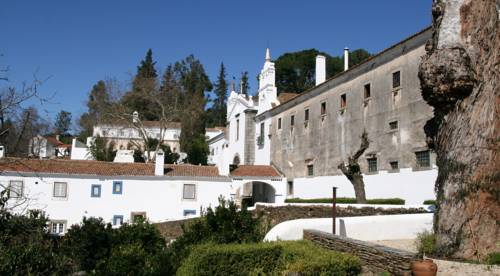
267	87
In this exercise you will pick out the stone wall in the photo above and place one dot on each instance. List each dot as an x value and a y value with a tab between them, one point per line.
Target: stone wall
273	215
395	261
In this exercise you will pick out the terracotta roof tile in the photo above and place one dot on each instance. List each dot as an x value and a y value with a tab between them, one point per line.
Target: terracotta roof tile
284	97
102	168
255	170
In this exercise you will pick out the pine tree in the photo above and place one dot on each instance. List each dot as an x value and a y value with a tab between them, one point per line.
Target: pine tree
62	123
219	104
98	105
244	85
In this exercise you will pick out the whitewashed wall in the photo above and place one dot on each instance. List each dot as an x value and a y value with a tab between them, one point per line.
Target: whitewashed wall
413	186
279	185
263	152
160	197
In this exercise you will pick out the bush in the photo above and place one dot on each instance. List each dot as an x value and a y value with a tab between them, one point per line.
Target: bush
493	258
430	202
348	200
426	243
275	258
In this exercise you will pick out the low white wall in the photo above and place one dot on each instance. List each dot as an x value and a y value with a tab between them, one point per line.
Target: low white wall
429	208
413	186
367	228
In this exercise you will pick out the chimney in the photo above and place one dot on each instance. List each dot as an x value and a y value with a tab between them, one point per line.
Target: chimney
320	69
159	163
58	137
2	151
135	117
346	59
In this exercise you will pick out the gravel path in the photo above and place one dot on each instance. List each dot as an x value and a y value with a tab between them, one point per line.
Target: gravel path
446	267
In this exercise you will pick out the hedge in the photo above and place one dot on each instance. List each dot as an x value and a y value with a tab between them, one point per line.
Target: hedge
351	200
430	202
276	258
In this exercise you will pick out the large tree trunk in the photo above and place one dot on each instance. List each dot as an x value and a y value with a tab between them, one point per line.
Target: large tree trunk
353	172
460	79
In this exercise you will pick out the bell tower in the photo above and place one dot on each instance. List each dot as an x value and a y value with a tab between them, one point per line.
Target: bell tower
267	86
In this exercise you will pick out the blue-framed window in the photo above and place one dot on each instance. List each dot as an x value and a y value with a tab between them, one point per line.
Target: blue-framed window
189	212
117	220
117	187
95	190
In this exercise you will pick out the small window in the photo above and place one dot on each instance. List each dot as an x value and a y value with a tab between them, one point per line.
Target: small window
292	120
306	115
189	212
16	188
237	130
117	220
57	227
60	189
396	79
137	216
290	188
117	187
343	101
372	164
95	190
262	130
279	123
393	125
310	170
367	90
189	191
394	165
323	108
423	159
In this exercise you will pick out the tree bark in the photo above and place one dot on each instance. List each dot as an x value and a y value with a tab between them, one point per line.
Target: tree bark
460	78
353	172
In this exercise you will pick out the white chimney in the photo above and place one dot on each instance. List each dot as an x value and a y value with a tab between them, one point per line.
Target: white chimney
135	117
159	163
2	151
346	59
320	69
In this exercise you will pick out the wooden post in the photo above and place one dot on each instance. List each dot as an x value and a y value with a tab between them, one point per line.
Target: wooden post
334	208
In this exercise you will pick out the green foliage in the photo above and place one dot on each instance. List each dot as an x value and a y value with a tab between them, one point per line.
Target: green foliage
198	151
244	85
101	150
295	71
216	115
429	202
98	104
26	248
222	225
348	200
493	258
426	243
62	123
276	258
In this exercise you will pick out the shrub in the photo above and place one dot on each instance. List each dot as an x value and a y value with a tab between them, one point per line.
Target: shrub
426	243
348	200
276	258
493	258
430	202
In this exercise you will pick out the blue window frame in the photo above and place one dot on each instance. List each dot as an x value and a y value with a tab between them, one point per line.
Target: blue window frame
189	212
117	187
95	190
117	220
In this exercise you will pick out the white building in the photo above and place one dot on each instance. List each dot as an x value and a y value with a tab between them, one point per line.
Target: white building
48	147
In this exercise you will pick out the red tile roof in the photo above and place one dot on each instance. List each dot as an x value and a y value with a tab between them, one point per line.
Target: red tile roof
255	171
102	168
284	97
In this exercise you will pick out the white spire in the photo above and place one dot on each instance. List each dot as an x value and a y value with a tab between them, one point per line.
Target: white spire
268	55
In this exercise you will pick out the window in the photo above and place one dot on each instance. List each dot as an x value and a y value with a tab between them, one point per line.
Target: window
290	188
262	130
189	191
323	109
237	129
423	159
137	216
396	79
60	189
117	187
292	120
310	170
372	164
95	190
343	101
367	90
279	123
16	189
393	125
394	165
117	220
306	115
189	212
57	227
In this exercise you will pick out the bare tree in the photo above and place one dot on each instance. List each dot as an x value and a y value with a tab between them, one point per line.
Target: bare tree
353	172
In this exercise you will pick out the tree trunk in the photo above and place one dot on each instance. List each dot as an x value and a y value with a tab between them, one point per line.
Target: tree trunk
353	172
460	79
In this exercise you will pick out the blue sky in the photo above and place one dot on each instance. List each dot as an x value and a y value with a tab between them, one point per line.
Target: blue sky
77	43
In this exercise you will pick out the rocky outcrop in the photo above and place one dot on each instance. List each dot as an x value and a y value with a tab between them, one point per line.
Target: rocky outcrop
460	79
